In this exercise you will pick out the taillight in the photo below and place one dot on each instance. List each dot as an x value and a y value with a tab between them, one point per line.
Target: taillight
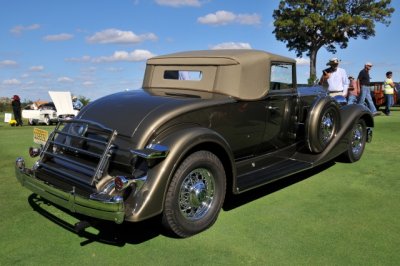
120	183
34	152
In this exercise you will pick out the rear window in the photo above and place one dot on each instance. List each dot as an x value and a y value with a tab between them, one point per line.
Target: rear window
183	75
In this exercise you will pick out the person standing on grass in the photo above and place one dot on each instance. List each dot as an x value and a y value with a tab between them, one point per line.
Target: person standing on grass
16	106
336	78
354	91
76	103
365	95
388	90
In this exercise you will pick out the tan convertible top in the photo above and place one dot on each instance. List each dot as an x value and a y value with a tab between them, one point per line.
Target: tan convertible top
243	74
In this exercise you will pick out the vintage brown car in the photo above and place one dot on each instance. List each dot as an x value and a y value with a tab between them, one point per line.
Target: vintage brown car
205	123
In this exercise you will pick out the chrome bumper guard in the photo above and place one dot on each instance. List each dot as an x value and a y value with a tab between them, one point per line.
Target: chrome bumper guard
106	208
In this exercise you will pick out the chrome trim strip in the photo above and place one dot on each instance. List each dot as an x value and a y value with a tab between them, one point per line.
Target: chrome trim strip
152	151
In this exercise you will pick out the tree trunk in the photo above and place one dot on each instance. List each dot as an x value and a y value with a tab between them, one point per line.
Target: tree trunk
313	63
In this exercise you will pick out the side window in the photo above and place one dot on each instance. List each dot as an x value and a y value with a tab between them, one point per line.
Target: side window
281	76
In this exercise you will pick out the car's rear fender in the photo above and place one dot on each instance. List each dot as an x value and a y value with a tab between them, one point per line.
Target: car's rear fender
150	201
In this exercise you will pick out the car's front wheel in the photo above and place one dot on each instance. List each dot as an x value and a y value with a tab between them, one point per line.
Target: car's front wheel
357	140
195	194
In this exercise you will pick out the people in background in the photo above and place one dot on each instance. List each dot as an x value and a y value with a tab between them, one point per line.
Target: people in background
76	103
365	93
336	78
354	91
16	106
388	90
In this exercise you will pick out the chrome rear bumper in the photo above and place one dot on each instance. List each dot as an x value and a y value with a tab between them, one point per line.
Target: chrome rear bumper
99	206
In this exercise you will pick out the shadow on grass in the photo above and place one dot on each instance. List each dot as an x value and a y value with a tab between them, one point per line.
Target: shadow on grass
234	201
108	232
139	232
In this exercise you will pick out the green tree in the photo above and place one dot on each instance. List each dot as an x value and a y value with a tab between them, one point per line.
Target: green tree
84	100
308	25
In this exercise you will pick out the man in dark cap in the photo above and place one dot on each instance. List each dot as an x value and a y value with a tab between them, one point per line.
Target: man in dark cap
365	95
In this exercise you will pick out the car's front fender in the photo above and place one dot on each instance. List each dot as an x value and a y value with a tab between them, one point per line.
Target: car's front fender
350	114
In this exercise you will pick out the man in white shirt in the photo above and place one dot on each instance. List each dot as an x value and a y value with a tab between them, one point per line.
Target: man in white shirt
336	77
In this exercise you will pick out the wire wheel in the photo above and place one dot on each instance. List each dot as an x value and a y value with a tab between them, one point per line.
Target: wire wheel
357	140
195	194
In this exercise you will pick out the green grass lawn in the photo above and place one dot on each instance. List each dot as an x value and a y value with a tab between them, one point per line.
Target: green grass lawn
339	214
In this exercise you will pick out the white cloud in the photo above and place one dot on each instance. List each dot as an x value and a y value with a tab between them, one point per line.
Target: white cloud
84	58
36	68
303	61
121	37
65	79
219	18
248	19
58	37
8	63
134	56
115	69
223	17
179	3
231	45
19	29
88	83
11	82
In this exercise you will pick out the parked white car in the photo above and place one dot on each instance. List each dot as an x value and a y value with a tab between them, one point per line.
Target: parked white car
44	114
49	113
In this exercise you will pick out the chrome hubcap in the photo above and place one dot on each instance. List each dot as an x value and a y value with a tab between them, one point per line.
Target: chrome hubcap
196	194
327	127
356	140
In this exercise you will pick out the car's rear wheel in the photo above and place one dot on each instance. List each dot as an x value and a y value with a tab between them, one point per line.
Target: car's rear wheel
195	194
322	125
357	140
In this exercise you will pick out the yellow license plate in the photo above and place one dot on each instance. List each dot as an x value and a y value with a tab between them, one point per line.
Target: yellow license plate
40	136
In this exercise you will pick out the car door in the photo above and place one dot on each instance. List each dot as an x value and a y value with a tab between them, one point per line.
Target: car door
280	105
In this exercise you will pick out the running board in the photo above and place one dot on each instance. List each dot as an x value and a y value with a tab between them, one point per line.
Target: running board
265	175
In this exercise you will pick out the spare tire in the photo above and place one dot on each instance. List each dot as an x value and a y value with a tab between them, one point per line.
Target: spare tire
322	124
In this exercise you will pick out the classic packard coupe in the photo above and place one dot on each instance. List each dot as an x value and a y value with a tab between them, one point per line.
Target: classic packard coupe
205	123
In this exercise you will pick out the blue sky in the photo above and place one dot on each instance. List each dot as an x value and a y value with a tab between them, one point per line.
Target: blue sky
97	47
